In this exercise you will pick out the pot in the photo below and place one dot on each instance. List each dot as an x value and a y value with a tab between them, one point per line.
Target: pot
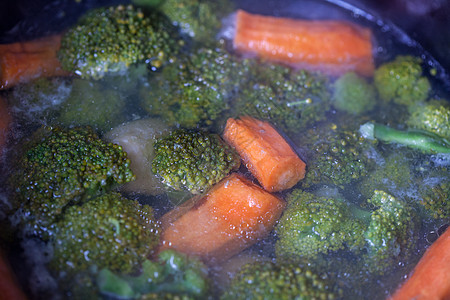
400	26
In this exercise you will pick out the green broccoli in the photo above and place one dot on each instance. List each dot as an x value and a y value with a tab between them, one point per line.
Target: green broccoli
108	231
393	174
198	19
337	157
193	160
353	94
432	116
172	275
291	100
402	81
434	193
110	39
61	167
194	91
89	103
391	233
312	224
427	142
269	280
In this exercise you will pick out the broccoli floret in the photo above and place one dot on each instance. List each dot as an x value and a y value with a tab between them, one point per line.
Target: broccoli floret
432	116
89	103
353	94
172	275
393	175
194	91
312	224
337	157
110	39
434	192
193	160
391	234
199	19
108	231
65	166
291	100
269	280
425	141
402	81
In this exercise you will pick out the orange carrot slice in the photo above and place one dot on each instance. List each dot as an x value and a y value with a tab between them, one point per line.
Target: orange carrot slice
5	120
8	285
333	47
23	61
232	216
431	277
265	152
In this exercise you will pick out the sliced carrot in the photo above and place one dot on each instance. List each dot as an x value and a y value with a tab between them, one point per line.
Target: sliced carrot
232	216
5	120
334	47
265	152
23	61
430	279
9	289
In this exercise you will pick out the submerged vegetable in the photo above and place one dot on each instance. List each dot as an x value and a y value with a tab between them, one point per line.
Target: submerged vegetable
171	274
269	280
24	61
232	216
422	140
5	120
430	278
265	152
110	39
402	81
193	160
61	167
334	47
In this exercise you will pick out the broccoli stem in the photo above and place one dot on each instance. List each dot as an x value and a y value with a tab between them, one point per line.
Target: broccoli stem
422	140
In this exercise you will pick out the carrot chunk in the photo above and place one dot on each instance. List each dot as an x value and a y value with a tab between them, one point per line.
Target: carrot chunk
5	120
265	152
23	61
333	47
232	216
431	277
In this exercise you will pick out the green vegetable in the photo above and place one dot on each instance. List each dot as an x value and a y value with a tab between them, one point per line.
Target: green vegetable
193	160
422	140
291	100
110	39
199	19
108	231
90	103
337	157
434	193
313	225
391	234
171	274
353	94
269	280
194	91
432	116
402	81
393	175
60	167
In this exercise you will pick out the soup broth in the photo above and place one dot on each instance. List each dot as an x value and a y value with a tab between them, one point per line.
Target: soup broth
116	99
